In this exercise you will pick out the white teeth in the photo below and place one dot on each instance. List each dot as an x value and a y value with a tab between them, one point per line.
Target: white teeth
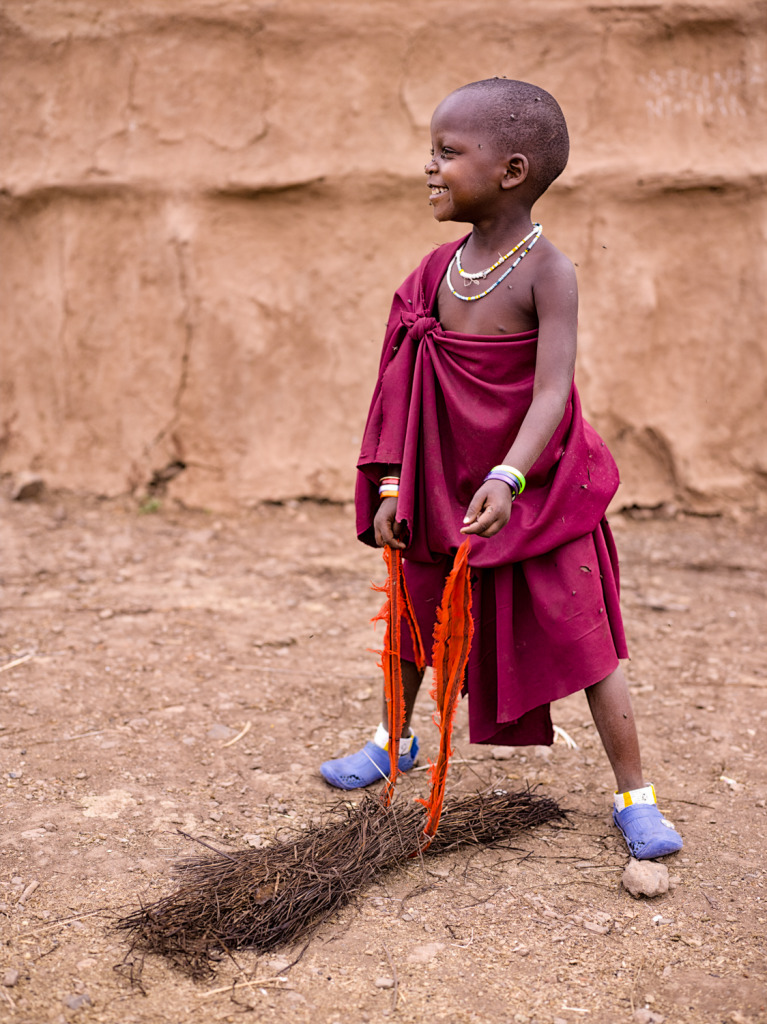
437	189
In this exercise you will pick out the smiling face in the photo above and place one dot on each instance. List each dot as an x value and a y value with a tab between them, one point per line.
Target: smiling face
468	173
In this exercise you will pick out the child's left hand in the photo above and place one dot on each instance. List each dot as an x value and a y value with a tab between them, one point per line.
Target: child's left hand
489	509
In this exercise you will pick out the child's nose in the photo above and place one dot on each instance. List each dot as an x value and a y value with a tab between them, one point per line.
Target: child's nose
430	167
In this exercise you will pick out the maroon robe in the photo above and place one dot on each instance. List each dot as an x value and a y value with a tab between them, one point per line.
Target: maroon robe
447	407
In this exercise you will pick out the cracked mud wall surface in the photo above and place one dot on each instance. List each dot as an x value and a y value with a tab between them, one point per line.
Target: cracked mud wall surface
206	207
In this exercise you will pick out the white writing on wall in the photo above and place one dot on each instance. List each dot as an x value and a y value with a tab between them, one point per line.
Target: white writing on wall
681	91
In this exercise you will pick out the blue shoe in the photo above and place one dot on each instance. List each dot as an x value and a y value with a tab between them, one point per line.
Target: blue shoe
366	766
646	831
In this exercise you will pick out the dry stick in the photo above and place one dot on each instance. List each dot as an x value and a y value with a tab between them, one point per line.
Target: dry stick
453	760
693	803
58	739
710	901
267	982
208	846
66	920
28	892
245	978
466	944
634	985
240	734
395	992
13	664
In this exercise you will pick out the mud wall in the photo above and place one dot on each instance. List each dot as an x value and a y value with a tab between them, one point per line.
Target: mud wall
206	206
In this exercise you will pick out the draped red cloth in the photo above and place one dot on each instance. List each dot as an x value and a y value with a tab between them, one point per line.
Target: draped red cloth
447	407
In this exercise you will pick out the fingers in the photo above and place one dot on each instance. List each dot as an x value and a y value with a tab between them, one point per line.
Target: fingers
387	531
484	523
396	540
488	511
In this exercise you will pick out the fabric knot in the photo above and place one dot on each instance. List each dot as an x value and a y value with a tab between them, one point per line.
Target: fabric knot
418	325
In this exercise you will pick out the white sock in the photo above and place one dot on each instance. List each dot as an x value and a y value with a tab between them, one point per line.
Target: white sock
381	739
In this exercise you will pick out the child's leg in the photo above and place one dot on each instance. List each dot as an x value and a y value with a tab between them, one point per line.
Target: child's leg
610	707
411	684
646	831
371	763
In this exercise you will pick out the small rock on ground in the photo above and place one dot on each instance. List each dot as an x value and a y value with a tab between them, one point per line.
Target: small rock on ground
645	1016
220	732
645	878
74	1002
27	487
11	977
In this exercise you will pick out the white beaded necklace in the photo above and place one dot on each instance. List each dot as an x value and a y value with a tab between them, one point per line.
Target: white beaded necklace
535	234
483	273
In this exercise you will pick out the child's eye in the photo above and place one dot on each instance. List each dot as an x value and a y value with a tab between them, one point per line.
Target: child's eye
446	151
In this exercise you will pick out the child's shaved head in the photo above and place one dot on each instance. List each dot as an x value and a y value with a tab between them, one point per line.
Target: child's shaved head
524	119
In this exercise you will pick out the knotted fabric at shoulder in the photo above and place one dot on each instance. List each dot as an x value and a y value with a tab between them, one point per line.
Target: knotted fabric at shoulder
418	325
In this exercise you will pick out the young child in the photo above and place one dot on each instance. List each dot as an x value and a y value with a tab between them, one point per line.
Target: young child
475	428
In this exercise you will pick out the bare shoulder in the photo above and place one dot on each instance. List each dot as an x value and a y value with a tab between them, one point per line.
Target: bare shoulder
554	284
553	266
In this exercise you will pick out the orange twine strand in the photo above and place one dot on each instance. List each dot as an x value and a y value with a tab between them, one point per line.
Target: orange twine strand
397	607
452	642
453	634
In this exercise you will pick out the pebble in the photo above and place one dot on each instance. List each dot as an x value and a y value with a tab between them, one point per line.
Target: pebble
74	1002
645	878
278	965
598	922
644	1016
220	732
27	486
254	840
11	977
424	954
384	982
502	753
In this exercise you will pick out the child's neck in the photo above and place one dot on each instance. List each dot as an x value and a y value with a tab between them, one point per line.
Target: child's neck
500	234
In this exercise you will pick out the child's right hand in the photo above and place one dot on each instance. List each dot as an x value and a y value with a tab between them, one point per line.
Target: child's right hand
489	509
387	529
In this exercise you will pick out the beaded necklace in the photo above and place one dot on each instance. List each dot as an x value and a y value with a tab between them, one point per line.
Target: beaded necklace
469	278
536	232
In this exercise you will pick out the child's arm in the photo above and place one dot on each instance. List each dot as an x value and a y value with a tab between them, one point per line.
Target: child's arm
555	292
387	529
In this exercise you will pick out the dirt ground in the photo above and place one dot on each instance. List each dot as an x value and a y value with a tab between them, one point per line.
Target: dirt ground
137	647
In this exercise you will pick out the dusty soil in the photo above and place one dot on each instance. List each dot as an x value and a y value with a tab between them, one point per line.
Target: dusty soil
146	643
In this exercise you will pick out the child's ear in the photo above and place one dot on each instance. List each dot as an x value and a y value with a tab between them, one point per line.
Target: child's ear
517	168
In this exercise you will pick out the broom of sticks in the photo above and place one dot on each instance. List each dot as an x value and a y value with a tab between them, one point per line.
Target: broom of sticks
262	899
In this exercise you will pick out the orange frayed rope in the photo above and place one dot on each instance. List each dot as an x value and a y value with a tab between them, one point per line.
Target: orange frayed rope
396	608
452	642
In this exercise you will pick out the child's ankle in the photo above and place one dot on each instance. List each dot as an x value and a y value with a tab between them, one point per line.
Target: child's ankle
644	795
381	739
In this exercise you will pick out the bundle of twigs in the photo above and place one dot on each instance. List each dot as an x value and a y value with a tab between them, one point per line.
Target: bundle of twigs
261	899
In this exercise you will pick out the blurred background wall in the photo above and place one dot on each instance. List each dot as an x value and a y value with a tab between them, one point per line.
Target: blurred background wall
206	206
